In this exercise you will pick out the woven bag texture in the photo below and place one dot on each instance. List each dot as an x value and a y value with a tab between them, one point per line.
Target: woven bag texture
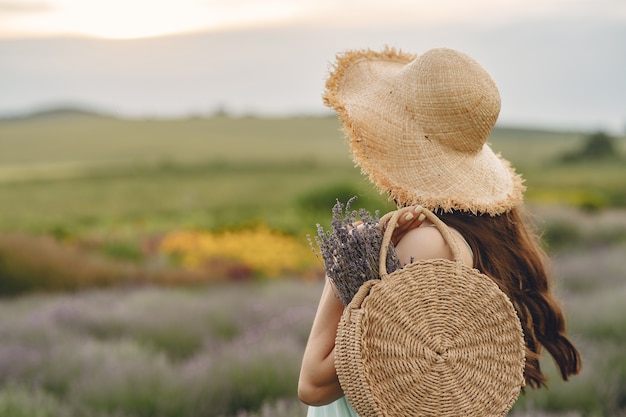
435	338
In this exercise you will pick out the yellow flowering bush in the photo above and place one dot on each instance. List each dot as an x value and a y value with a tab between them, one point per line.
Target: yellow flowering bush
259	252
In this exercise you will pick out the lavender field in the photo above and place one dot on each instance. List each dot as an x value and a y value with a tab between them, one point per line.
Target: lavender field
213	351
233	350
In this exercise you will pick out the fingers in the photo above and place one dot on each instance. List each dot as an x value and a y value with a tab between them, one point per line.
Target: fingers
412	219
409	221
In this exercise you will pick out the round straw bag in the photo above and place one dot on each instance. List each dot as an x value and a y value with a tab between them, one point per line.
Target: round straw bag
435	338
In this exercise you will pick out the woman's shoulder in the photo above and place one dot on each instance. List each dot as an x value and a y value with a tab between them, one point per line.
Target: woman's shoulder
426	242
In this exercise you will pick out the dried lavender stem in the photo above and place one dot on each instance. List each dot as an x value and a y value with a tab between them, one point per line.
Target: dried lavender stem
350	254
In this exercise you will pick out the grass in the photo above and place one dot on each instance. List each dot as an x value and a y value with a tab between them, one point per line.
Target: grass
148	175
82	141
73	182
158	199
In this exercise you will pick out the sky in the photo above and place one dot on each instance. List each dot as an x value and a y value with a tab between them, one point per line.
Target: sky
558	63
127	19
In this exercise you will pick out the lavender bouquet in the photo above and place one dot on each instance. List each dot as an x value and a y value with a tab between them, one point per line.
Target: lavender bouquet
350	253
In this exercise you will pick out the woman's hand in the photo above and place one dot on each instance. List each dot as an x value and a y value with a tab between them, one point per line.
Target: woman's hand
407	222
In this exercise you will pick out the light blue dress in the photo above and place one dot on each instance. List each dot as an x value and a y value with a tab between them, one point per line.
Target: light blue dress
339	408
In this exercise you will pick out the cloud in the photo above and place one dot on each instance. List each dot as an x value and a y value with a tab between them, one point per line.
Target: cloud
432	13
561	72
24	7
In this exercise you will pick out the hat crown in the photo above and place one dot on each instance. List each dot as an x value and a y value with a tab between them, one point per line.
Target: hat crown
454	99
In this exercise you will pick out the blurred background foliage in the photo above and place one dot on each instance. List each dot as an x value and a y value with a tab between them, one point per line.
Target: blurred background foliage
124	246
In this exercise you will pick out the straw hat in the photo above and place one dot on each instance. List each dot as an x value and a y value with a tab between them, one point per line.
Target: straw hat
435	338
418	126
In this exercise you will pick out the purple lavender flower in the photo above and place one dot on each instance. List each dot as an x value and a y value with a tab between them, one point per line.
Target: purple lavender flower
350	254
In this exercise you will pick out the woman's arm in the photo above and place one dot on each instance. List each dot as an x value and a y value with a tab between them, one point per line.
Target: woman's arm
318	384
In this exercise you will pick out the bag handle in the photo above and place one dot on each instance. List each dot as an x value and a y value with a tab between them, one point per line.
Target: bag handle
390	220
358	298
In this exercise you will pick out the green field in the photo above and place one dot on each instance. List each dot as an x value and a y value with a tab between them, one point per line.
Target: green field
91	172
81	172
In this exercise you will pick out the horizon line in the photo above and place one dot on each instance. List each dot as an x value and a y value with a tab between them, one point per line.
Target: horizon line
90	111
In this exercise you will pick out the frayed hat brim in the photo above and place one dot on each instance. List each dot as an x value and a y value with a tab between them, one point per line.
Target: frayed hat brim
410	145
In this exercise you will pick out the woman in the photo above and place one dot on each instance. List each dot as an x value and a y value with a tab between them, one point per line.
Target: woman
418	127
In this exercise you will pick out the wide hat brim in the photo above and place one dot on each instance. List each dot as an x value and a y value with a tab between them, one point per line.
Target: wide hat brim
418	127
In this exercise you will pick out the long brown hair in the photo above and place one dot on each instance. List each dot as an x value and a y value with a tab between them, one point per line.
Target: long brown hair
507	251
